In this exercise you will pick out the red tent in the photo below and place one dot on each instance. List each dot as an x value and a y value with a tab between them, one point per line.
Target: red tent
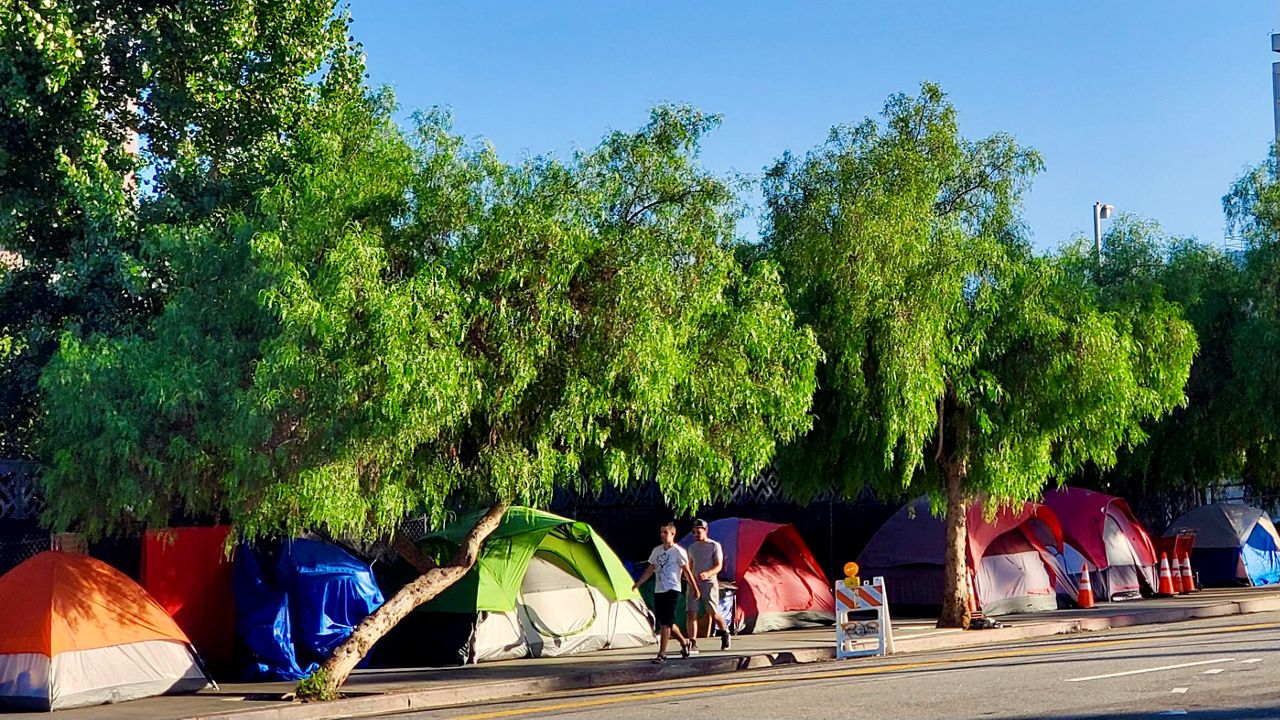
1014	559
779	583
1101	531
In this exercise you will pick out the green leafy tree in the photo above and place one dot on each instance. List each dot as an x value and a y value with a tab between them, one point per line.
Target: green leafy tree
118	115
956	363
1205	441
398	325
1253	211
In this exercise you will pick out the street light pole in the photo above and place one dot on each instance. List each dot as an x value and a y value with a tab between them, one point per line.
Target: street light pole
1101	211
1275	86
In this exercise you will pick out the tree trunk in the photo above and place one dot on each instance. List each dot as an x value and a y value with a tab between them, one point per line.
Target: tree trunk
335	671
955	573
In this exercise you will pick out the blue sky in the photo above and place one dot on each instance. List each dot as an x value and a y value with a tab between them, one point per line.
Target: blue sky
1154	107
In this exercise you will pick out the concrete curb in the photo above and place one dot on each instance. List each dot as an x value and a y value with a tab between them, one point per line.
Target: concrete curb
477	692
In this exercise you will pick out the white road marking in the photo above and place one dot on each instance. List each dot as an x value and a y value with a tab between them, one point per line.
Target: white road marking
1250	661
1214	671
1179	691
1150	670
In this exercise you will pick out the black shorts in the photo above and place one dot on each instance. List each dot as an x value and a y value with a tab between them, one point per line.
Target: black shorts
664	607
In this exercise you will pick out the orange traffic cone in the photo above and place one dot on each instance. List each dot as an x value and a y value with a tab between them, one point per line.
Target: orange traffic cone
1166	580
1175	574
975	612
1085	598
1188	580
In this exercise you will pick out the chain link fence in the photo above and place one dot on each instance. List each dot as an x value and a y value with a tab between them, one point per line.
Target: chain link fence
14	549
19	495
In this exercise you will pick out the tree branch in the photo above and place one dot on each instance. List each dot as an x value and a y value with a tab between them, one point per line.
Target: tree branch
950	204
942	407
469	549
684	194
412	554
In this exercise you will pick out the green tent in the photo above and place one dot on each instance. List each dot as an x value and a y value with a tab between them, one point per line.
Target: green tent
544	585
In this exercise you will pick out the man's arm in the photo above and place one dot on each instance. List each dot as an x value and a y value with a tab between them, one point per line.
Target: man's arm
693	582
648	573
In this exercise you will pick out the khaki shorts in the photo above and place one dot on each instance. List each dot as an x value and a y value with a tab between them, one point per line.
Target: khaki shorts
707	604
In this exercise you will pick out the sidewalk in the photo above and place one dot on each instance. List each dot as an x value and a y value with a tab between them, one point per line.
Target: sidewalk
383	691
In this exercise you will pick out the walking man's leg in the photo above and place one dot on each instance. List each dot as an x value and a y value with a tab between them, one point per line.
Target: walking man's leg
691	624
685	644
712	608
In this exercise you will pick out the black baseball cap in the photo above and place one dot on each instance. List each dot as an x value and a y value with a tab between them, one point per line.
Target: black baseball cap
700	523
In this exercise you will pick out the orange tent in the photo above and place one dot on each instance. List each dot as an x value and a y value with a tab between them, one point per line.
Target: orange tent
79	632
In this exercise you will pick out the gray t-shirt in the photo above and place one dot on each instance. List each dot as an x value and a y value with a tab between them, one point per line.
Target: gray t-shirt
702	557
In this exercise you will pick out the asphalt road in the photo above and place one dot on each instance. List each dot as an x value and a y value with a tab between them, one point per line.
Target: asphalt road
1209	669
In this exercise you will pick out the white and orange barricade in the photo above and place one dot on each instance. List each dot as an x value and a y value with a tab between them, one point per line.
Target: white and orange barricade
862	614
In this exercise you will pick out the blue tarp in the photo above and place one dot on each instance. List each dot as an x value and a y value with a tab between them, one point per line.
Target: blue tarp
262	622
318	595
330	592
1261	557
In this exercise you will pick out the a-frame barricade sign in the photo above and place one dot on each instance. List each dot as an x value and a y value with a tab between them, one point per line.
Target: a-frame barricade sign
862	614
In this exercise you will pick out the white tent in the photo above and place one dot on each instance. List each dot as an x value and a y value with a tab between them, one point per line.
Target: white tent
558	613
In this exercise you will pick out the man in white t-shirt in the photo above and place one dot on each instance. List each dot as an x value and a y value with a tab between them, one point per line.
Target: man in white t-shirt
670	564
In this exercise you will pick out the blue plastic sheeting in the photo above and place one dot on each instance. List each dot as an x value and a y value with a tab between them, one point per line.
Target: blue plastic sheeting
728	605
1261	557
319	593
330	592
262	622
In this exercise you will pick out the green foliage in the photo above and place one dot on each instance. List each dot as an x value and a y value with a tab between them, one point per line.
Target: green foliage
316	687
1253	210
1206	440
117	116
1077	375
949	348
399	324
616	336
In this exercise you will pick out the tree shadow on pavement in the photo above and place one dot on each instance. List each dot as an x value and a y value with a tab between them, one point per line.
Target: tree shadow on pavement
1243	713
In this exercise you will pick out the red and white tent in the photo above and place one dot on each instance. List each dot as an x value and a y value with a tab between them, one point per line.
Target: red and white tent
1102	532
779	583
1014	560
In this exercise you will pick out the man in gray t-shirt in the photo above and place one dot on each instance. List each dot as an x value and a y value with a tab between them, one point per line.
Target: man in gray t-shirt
706	559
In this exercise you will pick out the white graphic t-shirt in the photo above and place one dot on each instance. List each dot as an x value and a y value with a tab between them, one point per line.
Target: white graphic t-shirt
667	563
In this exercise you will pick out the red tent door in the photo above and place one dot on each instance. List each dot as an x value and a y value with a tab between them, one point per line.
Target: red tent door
778	583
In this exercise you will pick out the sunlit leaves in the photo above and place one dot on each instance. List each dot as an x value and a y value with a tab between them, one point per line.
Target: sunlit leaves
947	343
117	117
1253	211
400	325
617	336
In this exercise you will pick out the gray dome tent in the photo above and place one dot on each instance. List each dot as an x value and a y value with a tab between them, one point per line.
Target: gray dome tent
1234	543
